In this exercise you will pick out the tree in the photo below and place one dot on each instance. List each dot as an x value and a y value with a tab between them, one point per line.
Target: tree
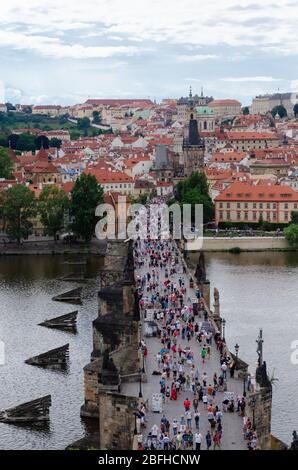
86	195
19	208
96	117
26	142
52	205
280	109
294	217
83	123
42	141
54	142
194	190
295	109
6	166
245	110
291	234
10	107
13	140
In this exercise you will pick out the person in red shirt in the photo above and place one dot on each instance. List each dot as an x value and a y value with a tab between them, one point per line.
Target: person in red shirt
186	404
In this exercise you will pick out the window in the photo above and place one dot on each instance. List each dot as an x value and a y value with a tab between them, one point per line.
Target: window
246	205
274	215
238	215
286	205
268	205
254	205
220	215
274	205
238	205
261	205
254	216
228	215
228	205
286	216
220	205
246	215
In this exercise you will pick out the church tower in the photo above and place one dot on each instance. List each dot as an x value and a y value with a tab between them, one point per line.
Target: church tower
193	149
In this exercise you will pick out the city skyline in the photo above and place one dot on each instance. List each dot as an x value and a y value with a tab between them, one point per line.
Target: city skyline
55	53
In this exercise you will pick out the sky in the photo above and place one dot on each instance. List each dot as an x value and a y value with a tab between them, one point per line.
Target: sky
66	51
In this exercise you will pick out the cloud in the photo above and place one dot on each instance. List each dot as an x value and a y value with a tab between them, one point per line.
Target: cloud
250	79
172	21
53	47
196	57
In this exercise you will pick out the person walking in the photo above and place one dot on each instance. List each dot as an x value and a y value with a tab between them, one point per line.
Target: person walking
208	440
198	441
197	419
216	440
186	405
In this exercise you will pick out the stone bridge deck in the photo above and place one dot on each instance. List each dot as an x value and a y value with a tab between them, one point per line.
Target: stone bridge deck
232	436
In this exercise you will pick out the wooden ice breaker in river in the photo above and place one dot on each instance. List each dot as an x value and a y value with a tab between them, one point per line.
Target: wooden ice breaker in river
55	358
64	322
35	410
72	296
74	277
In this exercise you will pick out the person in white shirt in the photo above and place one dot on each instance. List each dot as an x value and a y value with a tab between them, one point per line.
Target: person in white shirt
175	426
198	440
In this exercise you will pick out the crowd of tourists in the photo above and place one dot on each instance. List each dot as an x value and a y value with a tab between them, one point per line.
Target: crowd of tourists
187	342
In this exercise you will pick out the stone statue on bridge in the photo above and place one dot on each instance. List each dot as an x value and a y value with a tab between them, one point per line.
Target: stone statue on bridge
200	273
216	302
294	444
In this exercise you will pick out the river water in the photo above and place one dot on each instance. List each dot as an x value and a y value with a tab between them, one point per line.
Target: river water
27	285
256	290
260	290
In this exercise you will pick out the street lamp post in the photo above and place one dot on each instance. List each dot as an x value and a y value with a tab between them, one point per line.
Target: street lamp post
244	381
135	429
223	330
140	391
143	368
253	405
236	351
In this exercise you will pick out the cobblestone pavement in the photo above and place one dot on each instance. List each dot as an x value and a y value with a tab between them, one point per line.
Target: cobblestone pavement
232	436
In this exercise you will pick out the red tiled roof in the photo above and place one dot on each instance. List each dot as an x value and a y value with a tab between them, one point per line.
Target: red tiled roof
106	176
228	157
247	192
224	102
234	135
118	102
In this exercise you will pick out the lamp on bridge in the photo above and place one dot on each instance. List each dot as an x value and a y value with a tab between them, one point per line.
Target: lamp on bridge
140	391
236	351
143	359
223	329
244	382
135	429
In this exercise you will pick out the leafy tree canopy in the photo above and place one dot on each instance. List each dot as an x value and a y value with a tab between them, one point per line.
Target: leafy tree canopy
52	205
281	110
194	190
19	207
85	197
6	166
291	234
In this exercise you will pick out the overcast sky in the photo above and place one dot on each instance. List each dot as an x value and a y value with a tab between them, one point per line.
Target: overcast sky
64	51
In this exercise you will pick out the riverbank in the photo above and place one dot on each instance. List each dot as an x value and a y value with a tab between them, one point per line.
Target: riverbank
239	244
95	247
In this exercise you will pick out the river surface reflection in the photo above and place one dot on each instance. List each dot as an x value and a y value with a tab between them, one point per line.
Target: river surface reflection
260	290
27	285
